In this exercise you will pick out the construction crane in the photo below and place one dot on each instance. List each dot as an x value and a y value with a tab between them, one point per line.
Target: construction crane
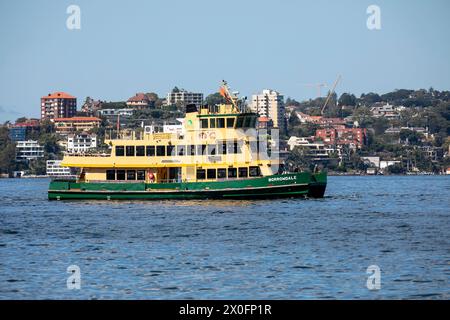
319	87
329	94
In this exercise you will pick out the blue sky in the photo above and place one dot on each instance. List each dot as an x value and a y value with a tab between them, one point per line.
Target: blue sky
124	47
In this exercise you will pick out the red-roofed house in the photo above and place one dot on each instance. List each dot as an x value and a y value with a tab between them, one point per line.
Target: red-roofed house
139	101
264	123
58	105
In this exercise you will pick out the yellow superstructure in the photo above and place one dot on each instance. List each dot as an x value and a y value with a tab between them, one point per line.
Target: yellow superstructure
217	142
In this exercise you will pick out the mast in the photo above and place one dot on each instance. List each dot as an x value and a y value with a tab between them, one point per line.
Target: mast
225	92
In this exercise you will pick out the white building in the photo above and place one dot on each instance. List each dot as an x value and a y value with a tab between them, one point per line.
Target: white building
270	104
384	110
54	169
166	128
387	163
174	128
28	150
372	161
81	143
113	114
185	98
315	149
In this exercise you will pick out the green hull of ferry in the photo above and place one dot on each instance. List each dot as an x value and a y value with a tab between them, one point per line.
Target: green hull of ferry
303	184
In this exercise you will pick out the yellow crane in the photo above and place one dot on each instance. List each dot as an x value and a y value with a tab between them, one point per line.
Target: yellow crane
319	87
329	94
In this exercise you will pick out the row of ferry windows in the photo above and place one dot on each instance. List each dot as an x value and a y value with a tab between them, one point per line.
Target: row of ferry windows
222	173
202	174
241	122
125	175
180	150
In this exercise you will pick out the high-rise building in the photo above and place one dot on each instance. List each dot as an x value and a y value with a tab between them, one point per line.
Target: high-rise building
270	104
58	105
184	97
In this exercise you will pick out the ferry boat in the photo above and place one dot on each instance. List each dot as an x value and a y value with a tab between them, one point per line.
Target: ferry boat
217	154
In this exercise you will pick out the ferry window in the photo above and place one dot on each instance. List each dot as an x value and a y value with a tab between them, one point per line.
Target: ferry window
222	148
191	150
131	174
120	151
247	121
140	151
181	150
220	122
243	172
254	146
201	174
120	174
110	174
221	173
201	149
130	151
230	147
161	151
230	122
140	175
212	149
204	123
211	174
170	150
232	172
254	171
236	148
212	122
252	122
239	122
150	151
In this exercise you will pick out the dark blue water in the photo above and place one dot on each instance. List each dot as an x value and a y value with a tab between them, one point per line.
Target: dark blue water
289	249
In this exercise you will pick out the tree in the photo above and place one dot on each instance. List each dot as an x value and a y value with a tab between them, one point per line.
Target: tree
46	126
347	99
215	98
380	125
369	98
21	120
292	102
396	169
152	96
298	159
363	116
50	143
7	152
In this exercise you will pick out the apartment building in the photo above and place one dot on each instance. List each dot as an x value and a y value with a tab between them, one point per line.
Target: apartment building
184	97
270	104
54	169
66	126
28	150
81	143
58	105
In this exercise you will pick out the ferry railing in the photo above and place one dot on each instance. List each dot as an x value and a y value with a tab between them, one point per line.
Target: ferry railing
103	154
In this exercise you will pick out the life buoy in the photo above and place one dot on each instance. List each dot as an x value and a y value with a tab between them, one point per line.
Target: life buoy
151	177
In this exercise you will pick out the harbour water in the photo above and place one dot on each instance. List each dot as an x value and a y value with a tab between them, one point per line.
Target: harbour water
279	249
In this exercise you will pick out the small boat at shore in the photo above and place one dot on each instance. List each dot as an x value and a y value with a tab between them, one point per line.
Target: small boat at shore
218	154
